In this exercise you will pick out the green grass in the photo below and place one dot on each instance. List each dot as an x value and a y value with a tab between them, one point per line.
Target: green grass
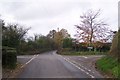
109	65
83	53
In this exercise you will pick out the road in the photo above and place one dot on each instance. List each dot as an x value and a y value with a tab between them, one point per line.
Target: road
52	65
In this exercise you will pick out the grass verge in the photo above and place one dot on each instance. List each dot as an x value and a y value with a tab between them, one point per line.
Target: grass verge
83	53
109	65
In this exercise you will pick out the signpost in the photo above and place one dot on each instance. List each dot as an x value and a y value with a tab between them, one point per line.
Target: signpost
90	48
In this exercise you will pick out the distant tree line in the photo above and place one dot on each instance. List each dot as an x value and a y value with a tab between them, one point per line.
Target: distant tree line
37	44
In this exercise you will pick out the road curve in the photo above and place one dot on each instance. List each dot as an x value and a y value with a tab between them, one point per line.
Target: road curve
52	65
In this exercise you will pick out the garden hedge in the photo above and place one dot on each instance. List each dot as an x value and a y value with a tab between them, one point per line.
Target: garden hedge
9	57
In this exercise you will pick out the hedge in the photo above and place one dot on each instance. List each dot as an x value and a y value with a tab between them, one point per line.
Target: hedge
9	57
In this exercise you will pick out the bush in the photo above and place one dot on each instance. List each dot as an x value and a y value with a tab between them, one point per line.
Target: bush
83	53
115	45
35	51
67	43
66	49
9	58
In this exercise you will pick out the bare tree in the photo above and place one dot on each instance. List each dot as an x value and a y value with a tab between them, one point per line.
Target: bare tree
92	28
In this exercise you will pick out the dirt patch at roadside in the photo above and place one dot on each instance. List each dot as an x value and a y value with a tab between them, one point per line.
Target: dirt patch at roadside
11	73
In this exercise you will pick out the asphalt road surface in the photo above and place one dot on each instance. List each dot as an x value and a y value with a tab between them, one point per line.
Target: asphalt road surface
52	65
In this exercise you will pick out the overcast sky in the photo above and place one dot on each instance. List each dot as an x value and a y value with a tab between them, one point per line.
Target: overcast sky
45	15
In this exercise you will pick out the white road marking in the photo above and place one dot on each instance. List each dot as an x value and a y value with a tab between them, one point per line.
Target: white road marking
29	61
79	68
68	60
82	66
85	57
89	70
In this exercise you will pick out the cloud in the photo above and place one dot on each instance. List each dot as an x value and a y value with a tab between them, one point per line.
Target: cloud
41	9
44	15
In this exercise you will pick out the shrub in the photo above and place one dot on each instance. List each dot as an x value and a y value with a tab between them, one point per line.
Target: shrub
115	45
66	49
9	58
